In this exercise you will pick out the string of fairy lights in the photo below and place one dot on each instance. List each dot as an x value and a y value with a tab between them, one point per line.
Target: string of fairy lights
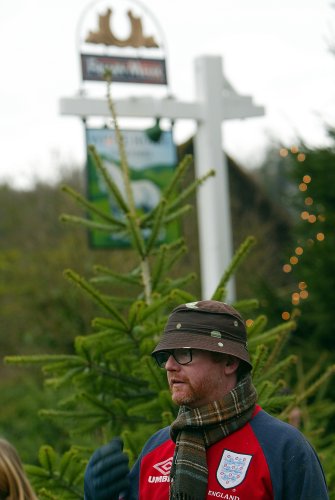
301	293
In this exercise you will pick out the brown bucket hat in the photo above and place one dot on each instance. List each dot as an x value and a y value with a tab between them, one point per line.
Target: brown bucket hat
208	325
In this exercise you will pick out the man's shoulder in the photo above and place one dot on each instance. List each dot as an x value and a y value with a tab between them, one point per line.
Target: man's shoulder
264	419
293	463
157	439
269	429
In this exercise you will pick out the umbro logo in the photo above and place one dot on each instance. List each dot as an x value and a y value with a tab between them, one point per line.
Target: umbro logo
164	467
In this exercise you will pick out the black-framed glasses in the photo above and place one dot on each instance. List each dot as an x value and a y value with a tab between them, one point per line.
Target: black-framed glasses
183	356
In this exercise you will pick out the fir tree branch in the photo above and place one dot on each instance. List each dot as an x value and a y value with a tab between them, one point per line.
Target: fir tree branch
158	267
309	391
284	328
188	191
155	375
178	175
90	206
246	305
108	179
146	280
258	360
257	325
238	257
176	256
275	352
171	285
279	367
136	235
183	296
156	227
91	224
95	294
130	278
146	312
171	217
40	359
117	375
122	151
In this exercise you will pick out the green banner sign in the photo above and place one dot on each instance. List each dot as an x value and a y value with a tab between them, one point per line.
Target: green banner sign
151	167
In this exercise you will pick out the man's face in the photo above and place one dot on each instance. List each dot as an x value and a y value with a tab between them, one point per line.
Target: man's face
202	381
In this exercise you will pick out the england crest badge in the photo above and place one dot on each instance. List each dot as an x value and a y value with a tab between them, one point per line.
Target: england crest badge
232	469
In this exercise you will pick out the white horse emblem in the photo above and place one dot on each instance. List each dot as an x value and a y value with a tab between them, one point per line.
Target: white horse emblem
232	469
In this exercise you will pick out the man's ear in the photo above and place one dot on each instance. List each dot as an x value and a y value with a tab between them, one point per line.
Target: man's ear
231	364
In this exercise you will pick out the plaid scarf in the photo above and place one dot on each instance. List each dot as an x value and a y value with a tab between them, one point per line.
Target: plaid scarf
194	430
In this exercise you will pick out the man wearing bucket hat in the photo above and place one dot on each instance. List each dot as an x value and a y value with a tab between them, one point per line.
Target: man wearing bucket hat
222	444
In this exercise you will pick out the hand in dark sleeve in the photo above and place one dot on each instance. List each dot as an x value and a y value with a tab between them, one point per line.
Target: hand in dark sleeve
106	474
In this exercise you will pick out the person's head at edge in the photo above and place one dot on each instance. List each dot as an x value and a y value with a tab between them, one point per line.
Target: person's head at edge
14	484
204	351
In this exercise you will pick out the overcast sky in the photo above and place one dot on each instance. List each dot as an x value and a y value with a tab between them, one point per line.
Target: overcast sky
275	51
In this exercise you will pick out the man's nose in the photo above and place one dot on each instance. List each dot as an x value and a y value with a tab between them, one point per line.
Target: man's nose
171	364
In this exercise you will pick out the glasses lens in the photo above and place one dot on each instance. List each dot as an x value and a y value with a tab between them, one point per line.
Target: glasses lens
182	356
161	358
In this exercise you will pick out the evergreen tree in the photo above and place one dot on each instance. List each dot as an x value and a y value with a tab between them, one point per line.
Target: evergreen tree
301	179
312	262
114	387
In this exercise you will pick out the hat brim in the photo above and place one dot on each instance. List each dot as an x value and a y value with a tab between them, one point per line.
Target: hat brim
176	340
